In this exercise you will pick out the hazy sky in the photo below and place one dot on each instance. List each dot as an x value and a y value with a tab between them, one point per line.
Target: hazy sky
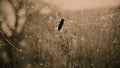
83	4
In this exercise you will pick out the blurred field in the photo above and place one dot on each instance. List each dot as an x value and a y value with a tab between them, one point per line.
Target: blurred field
89	39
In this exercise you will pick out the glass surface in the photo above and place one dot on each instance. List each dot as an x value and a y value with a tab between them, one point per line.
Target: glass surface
89	37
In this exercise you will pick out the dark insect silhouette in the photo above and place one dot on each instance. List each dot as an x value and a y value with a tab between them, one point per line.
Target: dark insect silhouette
60	24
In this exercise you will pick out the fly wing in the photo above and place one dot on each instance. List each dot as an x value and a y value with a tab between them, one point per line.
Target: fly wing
60	25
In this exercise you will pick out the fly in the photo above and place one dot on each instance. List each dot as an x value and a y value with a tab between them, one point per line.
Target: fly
60	24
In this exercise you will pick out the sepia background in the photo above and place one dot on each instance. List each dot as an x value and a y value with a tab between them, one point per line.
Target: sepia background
89	38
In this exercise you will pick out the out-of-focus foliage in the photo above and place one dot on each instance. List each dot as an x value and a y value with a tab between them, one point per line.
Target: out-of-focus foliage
88	39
